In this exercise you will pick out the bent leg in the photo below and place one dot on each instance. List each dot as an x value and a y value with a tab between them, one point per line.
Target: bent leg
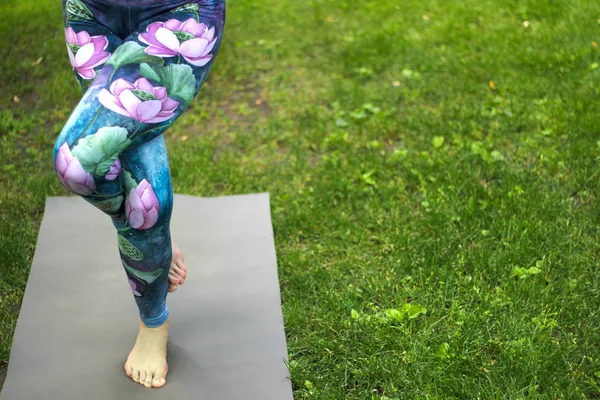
89	45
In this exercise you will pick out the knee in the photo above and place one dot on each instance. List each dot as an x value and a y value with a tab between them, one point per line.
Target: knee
70	172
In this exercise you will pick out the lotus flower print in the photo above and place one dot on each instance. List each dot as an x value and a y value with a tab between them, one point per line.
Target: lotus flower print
133	286
141	207
86	52
71	173
114	171
139	100
191	39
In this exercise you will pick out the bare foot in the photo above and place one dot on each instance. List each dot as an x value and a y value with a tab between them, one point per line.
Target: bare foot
178	271
147	362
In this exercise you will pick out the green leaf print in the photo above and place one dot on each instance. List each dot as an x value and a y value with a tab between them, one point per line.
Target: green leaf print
147	277
98	152
131	53
130	182
110	205
193	8
177	78
76	10
149	72
128	249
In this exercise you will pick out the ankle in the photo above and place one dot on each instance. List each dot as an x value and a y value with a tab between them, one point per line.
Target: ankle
156	328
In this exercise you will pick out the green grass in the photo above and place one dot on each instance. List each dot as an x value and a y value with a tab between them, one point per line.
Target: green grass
401	179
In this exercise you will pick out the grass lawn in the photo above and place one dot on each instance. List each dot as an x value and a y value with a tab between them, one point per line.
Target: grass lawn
433	167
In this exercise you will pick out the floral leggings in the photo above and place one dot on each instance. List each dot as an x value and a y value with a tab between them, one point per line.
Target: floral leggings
141	62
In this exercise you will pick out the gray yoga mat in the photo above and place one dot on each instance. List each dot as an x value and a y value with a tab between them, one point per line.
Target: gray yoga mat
78	320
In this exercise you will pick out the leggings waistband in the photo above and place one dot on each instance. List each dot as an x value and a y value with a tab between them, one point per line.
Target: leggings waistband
142	3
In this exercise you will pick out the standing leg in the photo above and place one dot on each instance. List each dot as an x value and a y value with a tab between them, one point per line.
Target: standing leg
186	40
145	246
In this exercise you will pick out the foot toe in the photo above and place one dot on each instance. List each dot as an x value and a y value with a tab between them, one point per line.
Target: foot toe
178	271
135	375
142	377
148	381
128	370
158	382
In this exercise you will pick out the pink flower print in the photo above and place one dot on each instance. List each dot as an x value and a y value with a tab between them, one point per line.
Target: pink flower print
114	171
191	39
139	100
133	286
86	52
71	174
142	207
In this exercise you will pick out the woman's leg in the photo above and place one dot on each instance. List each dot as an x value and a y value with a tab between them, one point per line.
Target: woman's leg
94	157
111	151
146	255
